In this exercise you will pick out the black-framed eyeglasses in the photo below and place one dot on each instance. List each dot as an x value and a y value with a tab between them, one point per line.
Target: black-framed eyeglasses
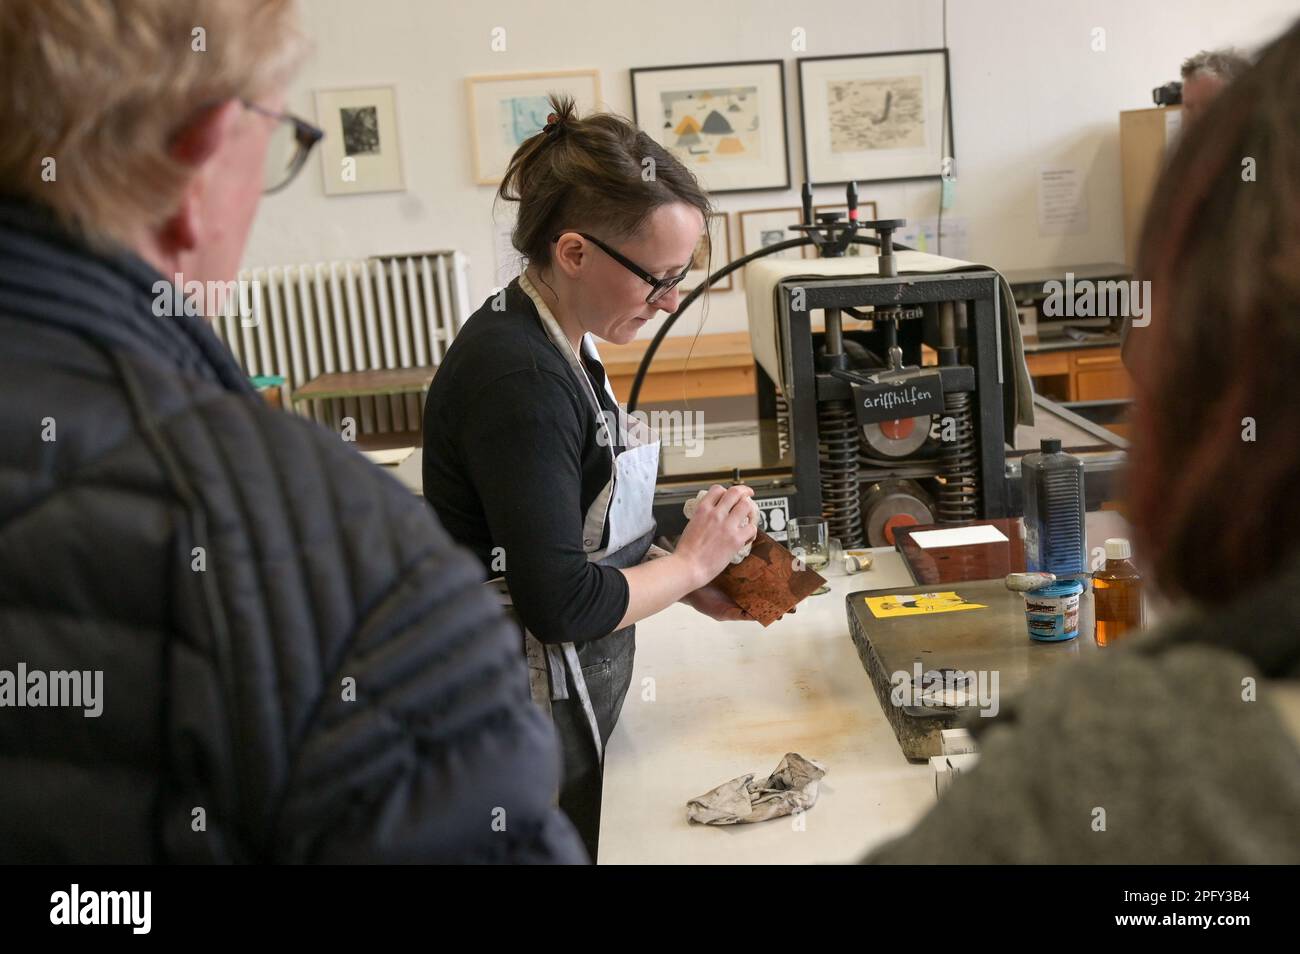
290	144
659	286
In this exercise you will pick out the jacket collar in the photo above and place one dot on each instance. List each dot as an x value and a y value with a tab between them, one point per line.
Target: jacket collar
52	276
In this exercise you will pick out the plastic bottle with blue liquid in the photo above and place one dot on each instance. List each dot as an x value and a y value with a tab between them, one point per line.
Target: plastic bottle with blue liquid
1055	539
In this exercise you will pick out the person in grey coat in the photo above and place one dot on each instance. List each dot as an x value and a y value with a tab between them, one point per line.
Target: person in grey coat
225	636
1183	744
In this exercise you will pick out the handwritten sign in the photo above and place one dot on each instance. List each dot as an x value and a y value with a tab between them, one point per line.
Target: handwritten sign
892	400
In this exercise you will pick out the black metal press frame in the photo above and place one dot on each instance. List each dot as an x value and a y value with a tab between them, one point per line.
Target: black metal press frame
983	377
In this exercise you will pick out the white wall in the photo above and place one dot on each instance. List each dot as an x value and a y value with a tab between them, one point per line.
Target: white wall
1028	90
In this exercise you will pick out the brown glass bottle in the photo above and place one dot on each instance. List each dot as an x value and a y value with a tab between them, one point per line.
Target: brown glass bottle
1117	594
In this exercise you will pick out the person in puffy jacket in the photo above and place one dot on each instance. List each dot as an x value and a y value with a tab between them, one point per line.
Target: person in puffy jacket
224	635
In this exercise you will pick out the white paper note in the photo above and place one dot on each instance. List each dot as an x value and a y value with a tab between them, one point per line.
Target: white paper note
958	537
1062	202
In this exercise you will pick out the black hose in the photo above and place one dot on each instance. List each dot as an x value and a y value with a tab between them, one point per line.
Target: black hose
721	273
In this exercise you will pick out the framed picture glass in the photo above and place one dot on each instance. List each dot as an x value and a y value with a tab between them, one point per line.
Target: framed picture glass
876	117
725	121
360	152
760	228
506	109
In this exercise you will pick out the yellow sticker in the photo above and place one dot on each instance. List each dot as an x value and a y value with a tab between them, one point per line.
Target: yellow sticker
918	604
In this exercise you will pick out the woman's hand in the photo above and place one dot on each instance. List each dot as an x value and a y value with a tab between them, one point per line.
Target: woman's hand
714	603
724	521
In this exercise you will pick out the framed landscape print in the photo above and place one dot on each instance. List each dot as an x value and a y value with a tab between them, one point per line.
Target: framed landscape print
725	121
875	117
506	109
360	152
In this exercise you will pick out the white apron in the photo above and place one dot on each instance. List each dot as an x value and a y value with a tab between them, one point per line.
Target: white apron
625	504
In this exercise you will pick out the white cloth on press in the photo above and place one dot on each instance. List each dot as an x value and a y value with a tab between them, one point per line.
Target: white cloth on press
689	509
791	788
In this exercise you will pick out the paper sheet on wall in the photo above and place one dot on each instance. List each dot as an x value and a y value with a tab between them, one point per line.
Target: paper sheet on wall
1062	202
921	234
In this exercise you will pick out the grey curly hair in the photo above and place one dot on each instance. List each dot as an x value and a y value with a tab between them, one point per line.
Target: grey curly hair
1227	64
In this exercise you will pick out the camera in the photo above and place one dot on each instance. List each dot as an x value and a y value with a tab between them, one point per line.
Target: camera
1171	94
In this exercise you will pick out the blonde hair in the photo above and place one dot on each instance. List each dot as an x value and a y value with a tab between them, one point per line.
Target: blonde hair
102	87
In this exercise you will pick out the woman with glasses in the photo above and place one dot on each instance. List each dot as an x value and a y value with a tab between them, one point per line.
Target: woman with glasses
529	460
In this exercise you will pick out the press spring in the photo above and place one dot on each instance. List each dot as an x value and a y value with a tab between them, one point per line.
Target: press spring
959	491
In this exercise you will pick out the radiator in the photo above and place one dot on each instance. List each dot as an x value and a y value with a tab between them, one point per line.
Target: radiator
396	311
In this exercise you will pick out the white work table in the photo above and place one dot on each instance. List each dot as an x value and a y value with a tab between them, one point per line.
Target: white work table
732	698
711	701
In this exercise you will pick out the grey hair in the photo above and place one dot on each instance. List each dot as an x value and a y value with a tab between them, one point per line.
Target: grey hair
1227	64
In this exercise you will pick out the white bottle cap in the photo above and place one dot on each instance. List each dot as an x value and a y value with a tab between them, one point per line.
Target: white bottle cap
1117	548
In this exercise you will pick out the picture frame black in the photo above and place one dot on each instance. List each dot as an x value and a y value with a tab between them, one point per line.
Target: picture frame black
815	168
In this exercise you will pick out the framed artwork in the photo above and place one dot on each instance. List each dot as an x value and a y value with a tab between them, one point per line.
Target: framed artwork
866	213
760	228
360	152
725	121
506	109
876	117
717	239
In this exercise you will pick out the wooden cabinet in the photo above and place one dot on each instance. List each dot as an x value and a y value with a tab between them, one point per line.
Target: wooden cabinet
1145	138
722	365
1080	374
719	365
1101	377
1048	364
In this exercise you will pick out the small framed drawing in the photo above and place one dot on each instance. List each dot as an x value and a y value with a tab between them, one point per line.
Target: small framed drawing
508	108
360	152
866	213
725	121
876	117
702	263
760	228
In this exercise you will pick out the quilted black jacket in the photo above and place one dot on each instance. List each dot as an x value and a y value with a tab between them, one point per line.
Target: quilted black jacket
231	570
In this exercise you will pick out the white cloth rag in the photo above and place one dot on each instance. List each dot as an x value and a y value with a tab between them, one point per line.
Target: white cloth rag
791	788
689	509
